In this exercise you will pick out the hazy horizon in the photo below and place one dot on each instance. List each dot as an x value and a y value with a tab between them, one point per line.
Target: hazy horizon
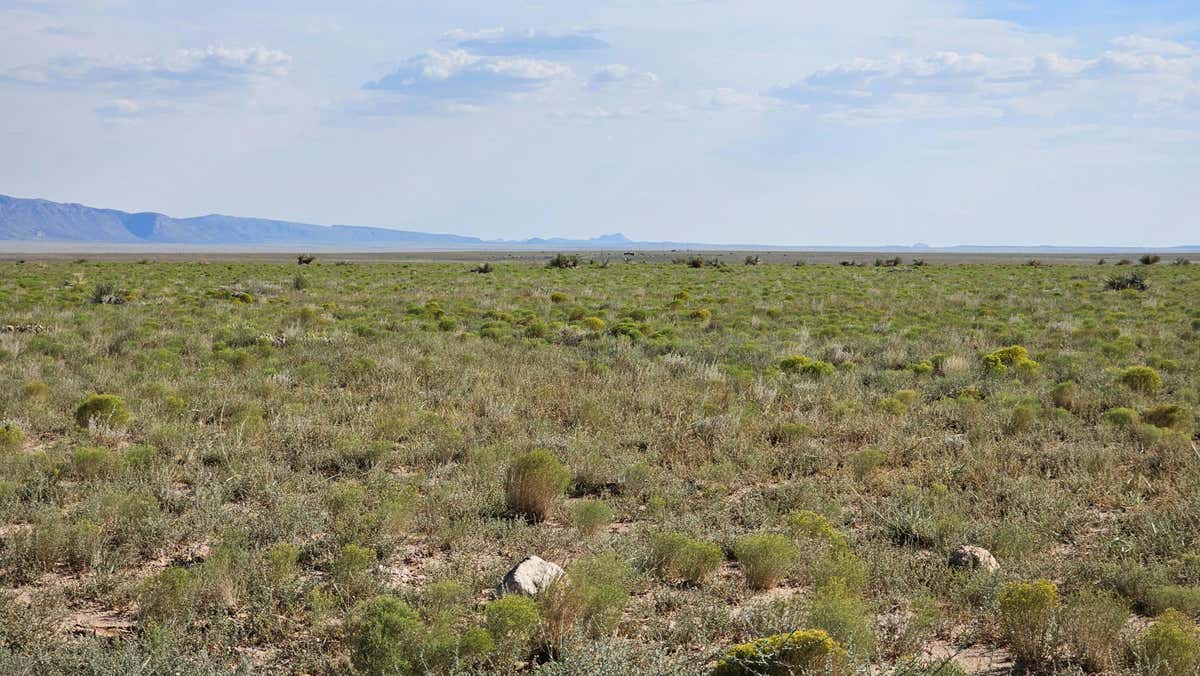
786	124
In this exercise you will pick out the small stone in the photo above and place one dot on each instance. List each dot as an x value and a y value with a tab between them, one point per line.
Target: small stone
973	557
530	577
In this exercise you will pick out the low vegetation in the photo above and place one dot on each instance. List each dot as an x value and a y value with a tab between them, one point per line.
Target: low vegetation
746	469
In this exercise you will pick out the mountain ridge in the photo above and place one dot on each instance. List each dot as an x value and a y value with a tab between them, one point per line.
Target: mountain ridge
31	220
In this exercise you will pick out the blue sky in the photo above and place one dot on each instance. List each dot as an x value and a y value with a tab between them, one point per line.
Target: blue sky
784	121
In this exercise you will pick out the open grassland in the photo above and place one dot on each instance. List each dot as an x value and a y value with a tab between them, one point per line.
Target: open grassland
329	468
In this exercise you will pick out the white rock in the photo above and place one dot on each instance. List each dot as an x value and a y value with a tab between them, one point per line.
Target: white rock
973	557
530	577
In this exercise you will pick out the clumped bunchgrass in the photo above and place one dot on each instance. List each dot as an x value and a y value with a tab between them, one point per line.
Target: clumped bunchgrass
534	484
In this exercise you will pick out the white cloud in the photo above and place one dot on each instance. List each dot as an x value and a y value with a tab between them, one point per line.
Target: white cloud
617	73
212	64
1140	70
459	75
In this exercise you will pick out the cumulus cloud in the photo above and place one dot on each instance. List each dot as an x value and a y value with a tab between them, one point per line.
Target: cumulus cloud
502	42
459	75
212	64
1135	68
616	73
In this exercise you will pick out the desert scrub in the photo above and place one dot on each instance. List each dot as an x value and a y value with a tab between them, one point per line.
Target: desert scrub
1066	396
1169	417
591	516
106	409
678	557
590	597
381	633
1170	646
806	366
1122	418
839	609
513	621
11	438
1014	357
1141	379
765	558
806	651
1028	616
534	483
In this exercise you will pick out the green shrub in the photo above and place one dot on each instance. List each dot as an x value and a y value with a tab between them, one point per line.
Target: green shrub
1141	379
1171	646
11	438
807	651
382	633
534	482
593	324
866	461
513	621
282	562
841	612
106	409
808	524
891	405
1066	396
351	570
1169	417
35	390
602	583
922	368
678	557
1014	357
140	458
168	596
799	364
1027	613
1124	418
90	463
765	558
1185	599
590	516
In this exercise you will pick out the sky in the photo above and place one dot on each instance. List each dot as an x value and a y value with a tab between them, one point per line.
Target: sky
788	122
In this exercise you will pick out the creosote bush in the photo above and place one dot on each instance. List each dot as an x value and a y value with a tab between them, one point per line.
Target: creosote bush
765	558
534	483
806	651
107	409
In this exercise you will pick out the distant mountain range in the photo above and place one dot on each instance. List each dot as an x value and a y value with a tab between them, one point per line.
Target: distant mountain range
33	221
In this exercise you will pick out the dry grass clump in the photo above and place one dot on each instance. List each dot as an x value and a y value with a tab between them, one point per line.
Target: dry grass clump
534	483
